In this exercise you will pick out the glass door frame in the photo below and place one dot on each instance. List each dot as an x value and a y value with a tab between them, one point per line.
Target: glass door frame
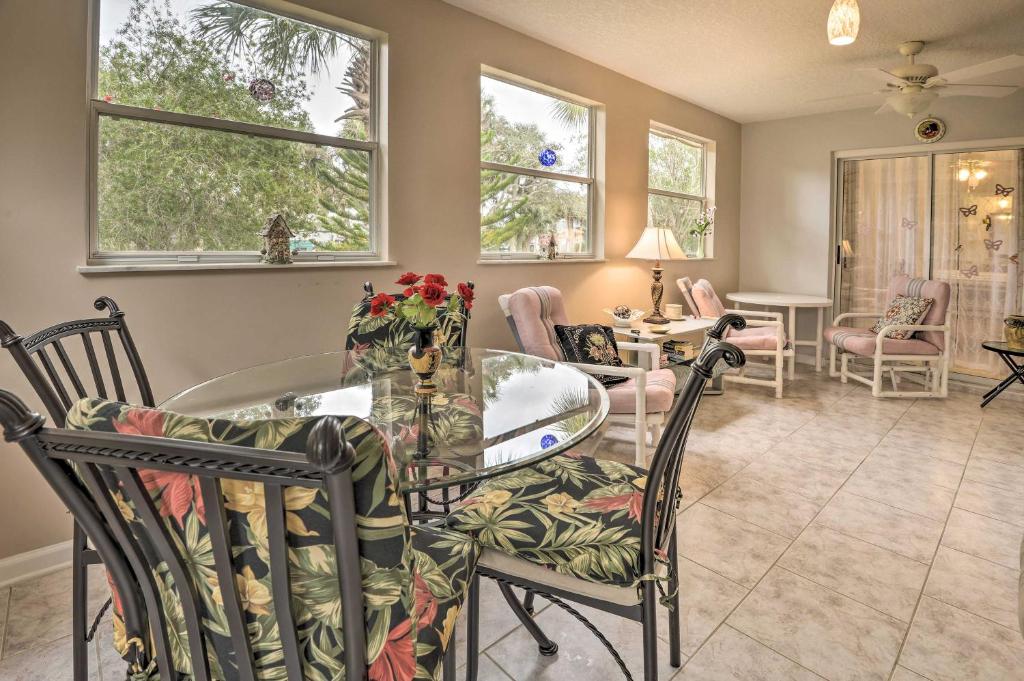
838	158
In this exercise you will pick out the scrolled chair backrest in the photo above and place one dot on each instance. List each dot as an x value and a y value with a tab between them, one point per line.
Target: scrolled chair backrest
660	495
228	560
47	359
372	334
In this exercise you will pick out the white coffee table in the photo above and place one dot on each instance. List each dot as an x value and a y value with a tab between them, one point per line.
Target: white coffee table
791	301
677	330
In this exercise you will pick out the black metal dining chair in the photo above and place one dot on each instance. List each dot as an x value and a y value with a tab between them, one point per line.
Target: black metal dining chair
590	531
249	549
48	359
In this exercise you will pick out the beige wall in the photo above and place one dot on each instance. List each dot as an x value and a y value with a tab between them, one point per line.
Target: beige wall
193	326
786	190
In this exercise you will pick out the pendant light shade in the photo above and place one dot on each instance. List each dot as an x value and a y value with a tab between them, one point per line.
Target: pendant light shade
843	22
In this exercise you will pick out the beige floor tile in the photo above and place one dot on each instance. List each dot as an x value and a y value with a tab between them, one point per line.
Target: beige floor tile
845	430
939	448
496	619
5	599
706	599
990	501
731	547
983	537
907	534
904	674
487	670
811	481
766	506
949	644
732	656
925	427
34	620
1011	453
820	629
580	655
882	484
913	467
52	661
839	459
884	580
975	585
1003	475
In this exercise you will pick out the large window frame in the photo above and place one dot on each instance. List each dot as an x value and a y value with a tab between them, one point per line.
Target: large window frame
372	146
595	241
706	198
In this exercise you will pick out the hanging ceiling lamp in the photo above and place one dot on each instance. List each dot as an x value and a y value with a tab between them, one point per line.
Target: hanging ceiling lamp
843	22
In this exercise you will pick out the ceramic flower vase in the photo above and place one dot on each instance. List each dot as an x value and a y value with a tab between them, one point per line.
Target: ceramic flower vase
1014	331
424	359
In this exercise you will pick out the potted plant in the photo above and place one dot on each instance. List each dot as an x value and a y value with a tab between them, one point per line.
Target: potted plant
422	301
702	226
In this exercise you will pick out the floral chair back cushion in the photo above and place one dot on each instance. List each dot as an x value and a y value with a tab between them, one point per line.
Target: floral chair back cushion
938	291
386	551
384	334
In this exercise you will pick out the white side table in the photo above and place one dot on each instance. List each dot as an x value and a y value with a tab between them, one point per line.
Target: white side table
791	301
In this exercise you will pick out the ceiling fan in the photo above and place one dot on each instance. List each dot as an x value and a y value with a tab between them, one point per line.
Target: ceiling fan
911	88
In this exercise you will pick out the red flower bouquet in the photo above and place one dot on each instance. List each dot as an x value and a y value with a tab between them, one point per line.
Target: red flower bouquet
424	297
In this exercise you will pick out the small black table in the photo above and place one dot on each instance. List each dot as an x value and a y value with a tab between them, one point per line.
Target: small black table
1007	354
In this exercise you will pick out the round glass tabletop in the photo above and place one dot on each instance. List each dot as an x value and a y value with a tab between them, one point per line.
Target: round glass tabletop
1003	347
494	411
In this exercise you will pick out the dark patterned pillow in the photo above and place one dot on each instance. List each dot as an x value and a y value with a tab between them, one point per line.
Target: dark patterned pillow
903	310
591	344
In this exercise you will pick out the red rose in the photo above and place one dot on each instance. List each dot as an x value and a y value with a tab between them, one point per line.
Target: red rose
380	304
432	294
435	279
410	292
467	295
408	279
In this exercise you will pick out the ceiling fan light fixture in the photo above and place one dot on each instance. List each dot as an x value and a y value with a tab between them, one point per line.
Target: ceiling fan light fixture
843	22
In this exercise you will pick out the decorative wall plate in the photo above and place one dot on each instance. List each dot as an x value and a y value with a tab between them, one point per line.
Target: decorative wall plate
930	129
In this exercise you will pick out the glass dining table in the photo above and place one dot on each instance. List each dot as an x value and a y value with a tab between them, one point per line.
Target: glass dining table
493	412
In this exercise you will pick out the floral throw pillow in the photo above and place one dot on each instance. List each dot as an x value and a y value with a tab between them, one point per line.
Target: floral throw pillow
591	344
903	310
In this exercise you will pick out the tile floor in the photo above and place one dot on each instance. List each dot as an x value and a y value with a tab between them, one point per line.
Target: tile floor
826	535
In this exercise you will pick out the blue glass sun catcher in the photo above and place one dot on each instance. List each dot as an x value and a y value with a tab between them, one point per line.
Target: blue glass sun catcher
548	440
547	158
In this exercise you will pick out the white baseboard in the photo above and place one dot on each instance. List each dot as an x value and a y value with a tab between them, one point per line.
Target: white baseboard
35	563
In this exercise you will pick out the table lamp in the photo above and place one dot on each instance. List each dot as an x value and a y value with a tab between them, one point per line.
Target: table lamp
657	244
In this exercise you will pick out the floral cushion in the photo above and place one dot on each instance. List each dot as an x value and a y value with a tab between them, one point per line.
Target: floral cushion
903	310
383	335
576	515
591	344
392	559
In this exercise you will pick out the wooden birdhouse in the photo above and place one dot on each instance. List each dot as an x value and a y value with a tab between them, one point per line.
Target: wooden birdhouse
277	245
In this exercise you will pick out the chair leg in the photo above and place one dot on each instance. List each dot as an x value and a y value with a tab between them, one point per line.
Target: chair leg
843	367
832	361
641	440
79	606
876	379
674	631
472	629
546	646
650	633
528	603
779	360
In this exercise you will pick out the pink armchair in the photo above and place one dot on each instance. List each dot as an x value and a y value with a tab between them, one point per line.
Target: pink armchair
764	336
643	400
926	351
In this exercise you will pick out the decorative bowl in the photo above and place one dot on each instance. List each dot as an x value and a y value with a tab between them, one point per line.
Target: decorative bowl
623	316
1013	331
658	328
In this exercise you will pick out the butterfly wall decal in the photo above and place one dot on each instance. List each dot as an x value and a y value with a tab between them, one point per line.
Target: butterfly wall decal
970	210
1015	259
959	247
1003	191
987	221
971	272
993	245
909	224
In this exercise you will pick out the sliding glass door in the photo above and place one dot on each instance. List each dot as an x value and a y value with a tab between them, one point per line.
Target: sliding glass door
952	216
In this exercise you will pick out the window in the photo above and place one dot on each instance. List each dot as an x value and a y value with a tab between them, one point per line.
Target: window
677	189
209	117
536	173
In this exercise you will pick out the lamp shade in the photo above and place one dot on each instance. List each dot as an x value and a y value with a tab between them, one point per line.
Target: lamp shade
843	22
657	243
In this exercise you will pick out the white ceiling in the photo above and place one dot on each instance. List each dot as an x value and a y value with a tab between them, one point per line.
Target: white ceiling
753	60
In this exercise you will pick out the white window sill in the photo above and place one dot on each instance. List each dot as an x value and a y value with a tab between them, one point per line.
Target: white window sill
145	268
535	261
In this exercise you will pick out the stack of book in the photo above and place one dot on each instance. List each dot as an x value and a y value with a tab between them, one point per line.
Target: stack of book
678	351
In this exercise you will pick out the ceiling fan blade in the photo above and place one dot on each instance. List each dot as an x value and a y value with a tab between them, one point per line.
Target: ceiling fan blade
1013	61
884	76
959	90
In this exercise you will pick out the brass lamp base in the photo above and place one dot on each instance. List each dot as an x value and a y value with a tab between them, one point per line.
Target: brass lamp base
657	291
